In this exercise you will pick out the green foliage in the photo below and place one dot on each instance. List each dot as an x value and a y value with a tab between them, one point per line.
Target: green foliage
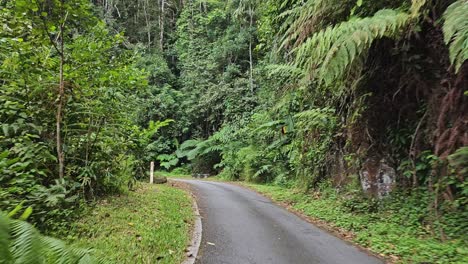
336	82
213	65
304	18
456	32
152	224
459	160
296	93
22	243
105	92
328	54
168	161
310	157
395	227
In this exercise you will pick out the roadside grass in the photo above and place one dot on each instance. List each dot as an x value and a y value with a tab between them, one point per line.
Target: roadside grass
393	233
173	174
150	225
184	175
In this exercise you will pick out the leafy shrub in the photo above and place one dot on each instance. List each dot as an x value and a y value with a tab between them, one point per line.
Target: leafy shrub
183	170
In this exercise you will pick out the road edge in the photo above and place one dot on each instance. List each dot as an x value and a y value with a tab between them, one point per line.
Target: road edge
196	236
325	226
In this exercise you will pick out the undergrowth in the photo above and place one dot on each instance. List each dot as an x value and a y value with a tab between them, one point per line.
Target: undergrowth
396	227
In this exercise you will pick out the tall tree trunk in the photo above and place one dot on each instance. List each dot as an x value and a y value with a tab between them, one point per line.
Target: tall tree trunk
148	26
60	154
250	49
161	25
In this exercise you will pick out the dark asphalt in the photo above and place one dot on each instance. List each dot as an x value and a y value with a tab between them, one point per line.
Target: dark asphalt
243	227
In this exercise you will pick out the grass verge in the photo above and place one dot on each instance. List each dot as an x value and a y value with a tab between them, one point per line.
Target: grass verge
150	225
173	174
184	175
393	233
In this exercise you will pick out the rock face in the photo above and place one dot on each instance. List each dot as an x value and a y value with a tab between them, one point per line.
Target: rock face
339	171
377	177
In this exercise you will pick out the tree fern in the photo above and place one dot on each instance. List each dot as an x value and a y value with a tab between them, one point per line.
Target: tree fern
329	53
308	17
194	148
456	32
285	73
188	149
326	55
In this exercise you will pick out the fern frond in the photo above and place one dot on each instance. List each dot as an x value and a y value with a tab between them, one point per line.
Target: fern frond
194	148
56	250
210	149
284	72
26	244
309	17
329	53
317	118
277	144
187	147
263	169
189	143
456	32
21	243
153	127
270	125
4	239
416	6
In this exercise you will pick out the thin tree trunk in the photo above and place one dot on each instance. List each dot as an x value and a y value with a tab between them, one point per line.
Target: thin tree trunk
60	154
148	26
161	25
250	49
412	150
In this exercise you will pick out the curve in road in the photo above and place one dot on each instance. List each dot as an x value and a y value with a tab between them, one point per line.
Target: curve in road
243	227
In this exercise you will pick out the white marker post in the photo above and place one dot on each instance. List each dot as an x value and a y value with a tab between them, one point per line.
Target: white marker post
151	172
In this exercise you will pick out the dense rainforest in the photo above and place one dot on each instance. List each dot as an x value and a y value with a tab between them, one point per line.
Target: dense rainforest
366	98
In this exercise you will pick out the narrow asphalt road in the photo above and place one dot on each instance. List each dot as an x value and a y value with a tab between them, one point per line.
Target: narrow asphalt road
243	227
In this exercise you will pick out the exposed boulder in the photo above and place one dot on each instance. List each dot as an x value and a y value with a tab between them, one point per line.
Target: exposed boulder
160	180
377	177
